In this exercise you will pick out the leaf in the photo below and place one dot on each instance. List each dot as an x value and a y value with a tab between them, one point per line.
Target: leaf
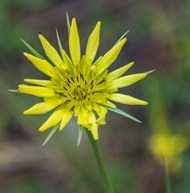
116	110
50	134
32	49
80	130
58	40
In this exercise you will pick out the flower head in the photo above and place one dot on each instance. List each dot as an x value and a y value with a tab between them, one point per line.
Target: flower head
171	145
79	85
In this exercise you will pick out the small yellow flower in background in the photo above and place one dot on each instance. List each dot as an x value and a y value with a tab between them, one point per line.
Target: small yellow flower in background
163	141
79	85
171	146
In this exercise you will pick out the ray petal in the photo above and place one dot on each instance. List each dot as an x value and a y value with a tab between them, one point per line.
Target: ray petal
127	80
93	42
94	131
43	107
53	120
41	64
50	51
119	72
74	43
110	56
126	99
68	62
36	90
37	82
67	115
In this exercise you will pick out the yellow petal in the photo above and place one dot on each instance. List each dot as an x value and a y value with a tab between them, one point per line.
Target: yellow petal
74	43
103	111
100	87
68	62
65	119
41	108
110	104
50	51
81	119
53	120
100	95
93	42
53	99
88	105
119	72
91	117
126	99
84	111
36	90
127	80
102	115
41	64
110	56
94	131
101	121
38	82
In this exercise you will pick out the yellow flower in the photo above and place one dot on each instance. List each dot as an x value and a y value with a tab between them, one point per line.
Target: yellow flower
172	146
79	85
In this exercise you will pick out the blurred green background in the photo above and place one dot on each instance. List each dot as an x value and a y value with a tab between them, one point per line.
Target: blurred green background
159	39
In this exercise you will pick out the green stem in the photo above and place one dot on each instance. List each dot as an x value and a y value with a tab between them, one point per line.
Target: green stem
101	166
167	177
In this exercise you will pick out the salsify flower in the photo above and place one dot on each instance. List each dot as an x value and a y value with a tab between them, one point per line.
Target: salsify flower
169	145
79	85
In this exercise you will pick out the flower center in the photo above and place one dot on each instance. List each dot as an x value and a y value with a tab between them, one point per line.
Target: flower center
77	88
80	93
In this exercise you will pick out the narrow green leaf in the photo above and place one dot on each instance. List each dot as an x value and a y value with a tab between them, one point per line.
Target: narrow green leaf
58	40
32	49
116	110
68	22
50	134
167	177
123	36
80	130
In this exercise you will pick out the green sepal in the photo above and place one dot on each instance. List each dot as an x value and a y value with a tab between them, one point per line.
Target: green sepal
50	134
80	130
149	72
122	36
58	40
32	50
68	22
116	110
13	90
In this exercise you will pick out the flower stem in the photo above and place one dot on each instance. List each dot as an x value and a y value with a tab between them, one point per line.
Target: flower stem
101	166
